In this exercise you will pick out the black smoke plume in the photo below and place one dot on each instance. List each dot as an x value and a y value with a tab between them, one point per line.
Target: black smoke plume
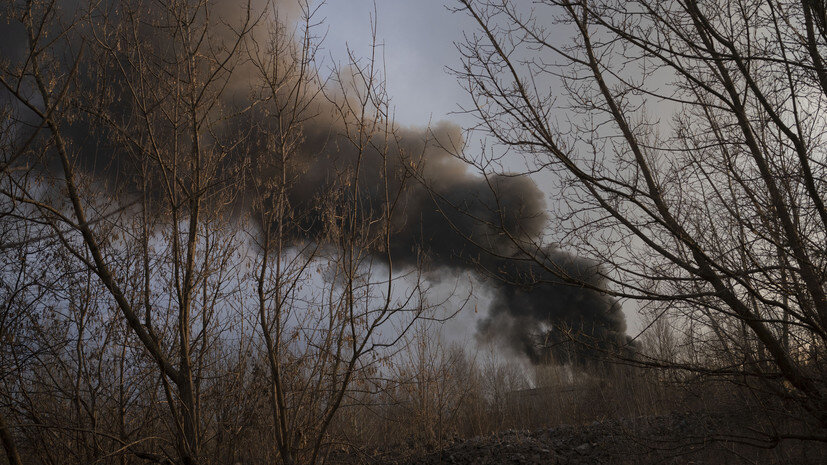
545	299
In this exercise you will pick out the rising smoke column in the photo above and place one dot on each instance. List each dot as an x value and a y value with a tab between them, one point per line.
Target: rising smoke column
459	220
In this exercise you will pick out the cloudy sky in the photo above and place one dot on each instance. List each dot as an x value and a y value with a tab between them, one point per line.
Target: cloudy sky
418	38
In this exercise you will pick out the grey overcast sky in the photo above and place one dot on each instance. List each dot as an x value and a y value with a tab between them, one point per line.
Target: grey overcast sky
418	38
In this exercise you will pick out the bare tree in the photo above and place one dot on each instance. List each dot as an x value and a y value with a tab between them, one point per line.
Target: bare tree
323	345
686	139
199	235
150	95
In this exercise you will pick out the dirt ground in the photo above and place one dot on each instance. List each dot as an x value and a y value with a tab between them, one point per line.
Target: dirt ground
670	439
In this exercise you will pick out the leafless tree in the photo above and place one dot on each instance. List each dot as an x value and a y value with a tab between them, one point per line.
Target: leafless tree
150	170
151	93
686	139
324	345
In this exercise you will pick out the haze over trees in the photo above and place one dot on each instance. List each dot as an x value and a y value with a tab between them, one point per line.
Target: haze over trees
213	250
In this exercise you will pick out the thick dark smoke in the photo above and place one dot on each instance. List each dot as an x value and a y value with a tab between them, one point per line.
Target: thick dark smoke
461	221
551	310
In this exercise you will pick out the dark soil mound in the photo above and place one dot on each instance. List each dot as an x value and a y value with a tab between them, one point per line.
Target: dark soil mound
671	439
